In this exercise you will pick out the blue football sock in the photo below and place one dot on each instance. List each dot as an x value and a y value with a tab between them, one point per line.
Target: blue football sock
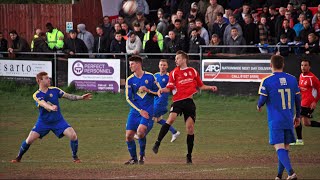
132	149
23	149
150	126
142	143
171	129
74	148
280	169
283	156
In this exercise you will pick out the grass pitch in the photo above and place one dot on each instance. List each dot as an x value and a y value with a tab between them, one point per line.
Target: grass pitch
231	142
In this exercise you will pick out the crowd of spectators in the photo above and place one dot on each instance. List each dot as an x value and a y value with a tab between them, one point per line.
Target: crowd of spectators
186	25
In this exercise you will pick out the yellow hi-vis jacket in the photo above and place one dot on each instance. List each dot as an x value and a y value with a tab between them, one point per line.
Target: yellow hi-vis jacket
55	39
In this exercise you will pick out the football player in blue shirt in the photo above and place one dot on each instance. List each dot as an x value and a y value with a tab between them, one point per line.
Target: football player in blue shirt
281	93
161	103
141	87
50	117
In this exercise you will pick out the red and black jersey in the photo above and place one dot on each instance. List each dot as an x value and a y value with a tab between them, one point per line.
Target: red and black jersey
183	83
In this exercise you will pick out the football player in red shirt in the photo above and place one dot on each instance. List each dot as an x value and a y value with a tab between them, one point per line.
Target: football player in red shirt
310	94
183	83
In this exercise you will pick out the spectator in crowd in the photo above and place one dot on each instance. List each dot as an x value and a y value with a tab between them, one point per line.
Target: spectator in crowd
101	42
227	31
296	3
181	34
215	41
195	12
74	45
211	13
152	44
118	44
191	25
142	6
151	27
304	10
133	44
291	34
242	13
278	22
174	44
235	39
315	16
54	37
290	18
293	14
185	6
250	32
171	24
106	25
137	30
281	50
3	44
195	41
120	19
19	44
227	13
183	20
312	47
203	32
299	26
38	31
219	26
307	29
255	16
40	44
265	11
203	6
316	25
125	31
264	33
163	23
140	18
85	36
271	21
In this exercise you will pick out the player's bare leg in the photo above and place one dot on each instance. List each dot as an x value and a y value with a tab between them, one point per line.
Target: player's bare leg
164	130
131	147
284	161
190	138
25	145
72	135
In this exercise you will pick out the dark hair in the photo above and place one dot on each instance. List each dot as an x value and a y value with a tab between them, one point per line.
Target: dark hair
136	58
199	20
277	61
118	32
183	54
220	14
234	28
306	60
132	33
49	25
177	20
13	32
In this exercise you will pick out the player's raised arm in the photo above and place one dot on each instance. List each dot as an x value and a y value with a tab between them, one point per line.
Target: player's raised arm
47	106
74	97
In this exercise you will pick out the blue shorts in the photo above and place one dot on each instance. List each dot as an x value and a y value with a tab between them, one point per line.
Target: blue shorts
135	119
57	128
160	111
278	136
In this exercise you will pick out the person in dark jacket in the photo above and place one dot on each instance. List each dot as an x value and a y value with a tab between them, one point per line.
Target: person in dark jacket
101	42
18	43
250	32
235	39
307	29
289	32
195	41
3	44
74	45
312	47
118	44
40	44
280	50
152	45
219	26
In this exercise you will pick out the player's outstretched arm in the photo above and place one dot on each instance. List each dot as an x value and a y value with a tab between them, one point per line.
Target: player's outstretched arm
163	90
74	97
209	88
47	106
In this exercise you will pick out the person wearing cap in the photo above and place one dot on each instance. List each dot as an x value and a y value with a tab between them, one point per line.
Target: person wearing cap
55	37
281	50
74	45
195	12
139	18
211	13
137	30
19	44
85	36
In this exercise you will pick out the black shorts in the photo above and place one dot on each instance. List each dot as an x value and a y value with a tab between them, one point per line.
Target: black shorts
185	107
306	112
